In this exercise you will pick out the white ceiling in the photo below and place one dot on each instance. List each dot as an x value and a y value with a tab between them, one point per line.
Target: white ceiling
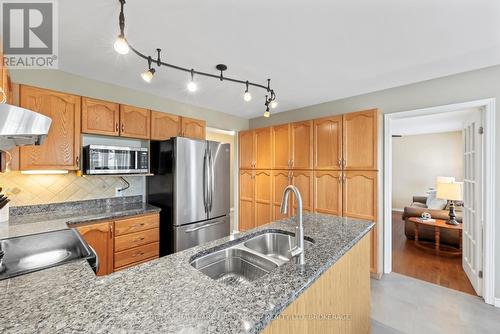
435	123
314	51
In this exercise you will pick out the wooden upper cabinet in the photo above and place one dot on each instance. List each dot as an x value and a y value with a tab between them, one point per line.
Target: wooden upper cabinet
263	148
281	146
164	126
246	200
301	146
193	128
328	143
100	117
100	237
263	197
328	192
303	180
360	140
135	122
61	149
360	195
246	149
5	83
281	179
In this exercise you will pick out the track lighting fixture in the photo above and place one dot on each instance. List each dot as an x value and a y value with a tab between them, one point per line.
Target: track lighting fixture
192	86
122	46
148	75
247	96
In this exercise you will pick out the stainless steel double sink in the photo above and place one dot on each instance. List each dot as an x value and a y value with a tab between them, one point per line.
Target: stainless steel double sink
250	259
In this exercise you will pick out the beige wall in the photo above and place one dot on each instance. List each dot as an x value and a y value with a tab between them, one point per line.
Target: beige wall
463	87
74	84
418	160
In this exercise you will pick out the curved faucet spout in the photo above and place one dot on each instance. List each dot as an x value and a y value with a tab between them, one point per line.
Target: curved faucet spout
298	250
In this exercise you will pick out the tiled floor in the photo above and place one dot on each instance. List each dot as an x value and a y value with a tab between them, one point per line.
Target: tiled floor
402	304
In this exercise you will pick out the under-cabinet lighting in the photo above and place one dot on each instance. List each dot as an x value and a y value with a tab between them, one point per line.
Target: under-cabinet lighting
44	172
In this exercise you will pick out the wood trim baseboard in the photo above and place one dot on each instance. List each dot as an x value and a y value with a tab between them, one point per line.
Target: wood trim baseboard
497	302
376	275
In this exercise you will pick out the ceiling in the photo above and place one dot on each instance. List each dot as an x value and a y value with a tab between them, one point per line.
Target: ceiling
434	123
314	51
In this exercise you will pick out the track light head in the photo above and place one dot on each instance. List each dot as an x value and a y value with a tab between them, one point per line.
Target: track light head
121	45
267	113
273	104
247	96
148	75
192	86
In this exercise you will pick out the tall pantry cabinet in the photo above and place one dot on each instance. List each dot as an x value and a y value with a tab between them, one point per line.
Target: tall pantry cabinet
332	160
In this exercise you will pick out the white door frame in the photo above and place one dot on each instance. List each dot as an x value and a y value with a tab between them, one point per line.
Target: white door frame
488	107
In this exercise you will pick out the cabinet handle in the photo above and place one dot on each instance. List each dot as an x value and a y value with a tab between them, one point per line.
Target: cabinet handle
291	163
116	126
139	239
344	162
78	161
138	225
138	254
110	231
344	178
340	162
123	127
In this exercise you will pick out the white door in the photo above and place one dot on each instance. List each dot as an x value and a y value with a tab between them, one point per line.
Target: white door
472	243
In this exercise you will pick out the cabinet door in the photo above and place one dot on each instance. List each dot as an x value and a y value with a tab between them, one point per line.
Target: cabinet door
246	207
100	117
328	143
281	146
246	149
263	148
5	83
263	197
281	179
193	128
301	145
61	149
303	180
135	122
164	126
360	140
328	192
360	194
100	237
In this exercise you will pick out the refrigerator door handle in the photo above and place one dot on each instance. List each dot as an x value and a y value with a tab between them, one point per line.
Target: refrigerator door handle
204	226
205	181
212	182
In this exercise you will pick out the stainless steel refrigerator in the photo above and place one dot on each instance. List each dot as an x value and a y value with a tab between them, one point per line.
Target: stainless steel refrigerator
191	186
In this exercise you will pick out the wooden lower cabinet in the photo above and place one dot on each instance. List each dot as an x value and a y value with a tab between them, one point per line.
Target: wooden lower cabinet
360	201
303	180
255	200
337	303
124	242
100	237
136	240
328	192
281	179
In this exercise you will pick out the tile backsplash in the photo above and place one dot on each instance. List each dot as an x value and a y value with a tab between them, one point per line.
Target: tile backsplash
45	189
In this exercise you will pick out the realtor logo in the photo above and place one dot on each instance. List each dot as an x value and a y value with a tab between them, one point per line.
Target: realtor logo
29	34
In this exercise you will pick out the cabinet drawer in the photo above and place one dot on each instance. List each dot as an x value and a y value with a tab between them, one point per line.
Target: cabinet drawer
136	224
136	254
135	264
136	239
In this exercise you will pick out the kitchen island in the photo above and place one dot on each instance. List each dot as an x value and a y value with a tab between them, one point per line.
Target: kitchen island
168	295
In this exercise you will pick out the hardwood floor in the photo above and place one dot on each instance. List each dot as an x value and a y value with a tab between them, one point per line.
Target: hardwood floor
411	261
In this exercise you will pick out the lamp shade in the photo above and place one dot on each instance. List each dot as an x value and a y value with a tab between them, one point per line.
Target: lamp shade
445	179
450	191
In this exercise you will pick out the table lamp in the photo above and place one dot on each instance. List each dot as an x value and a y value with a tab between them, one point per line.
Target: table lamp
451	192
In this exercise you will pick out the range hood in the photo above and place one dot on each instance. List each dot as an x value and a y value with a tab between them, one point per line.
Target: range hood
21	127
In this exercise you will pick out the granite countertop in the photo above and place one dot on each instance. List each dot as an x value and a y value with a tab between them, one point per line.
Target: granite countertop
44	218
168	295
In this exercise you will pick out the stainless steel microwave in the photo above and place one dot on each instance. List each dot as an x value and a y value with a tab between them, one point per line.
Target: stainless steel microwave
99	160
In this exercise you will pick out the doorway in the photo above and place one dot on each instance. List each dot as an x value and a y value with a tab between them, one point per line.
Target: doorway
478	227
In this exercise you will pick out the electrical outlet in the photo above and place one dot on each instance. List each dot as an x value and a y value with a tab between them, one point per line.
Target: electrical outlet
118	192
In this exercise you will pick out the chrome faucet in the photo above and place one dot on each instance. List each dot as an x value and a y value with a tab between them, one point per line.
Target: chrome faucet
298	250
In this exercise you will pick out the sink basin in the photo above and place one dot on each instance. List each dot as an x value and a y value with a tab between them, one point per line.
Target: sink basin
233	266
275	245
34	252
